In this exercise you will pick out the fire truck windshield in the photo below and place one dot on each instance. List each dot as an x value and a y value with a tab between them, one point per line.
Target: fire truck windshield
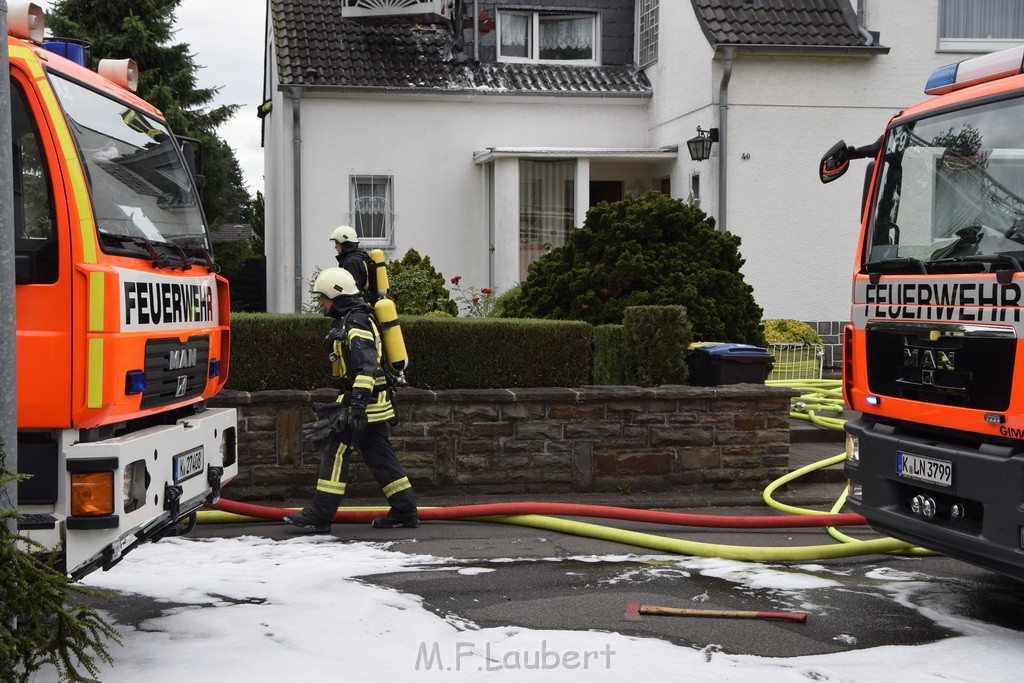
951	194
142	194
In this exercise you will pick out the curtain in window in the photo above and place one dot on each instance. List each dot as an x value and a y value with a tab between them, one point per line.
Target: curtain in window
566	37
547	195
999	19
371	206
514	35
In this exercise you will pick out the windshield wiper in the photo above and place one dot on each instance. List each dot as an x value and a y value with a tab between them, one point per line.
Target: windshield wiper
900	265
1003	275
159	260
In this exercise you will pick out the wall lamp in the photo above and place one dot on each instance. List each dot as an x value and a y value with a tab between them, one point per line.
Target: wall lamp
700	146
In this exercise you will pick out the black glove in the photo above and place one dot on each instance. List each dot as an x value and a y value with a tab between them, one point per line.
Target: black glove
356	419
332	421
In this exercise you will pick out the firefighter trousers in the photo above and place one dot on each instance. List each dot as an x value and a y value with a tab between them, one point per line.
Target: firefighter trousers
375	445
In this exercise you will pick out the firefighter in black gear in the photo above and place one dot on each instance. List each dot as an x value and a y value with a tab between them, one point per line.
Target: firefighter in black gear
359	417
356	261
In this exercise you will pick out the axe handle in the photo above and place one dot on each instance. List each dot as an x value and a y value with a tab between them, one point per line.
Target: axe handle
728	613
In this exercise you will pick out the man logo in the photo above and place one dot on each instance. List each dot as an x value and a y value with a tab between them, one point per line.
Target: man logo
182	386
183	358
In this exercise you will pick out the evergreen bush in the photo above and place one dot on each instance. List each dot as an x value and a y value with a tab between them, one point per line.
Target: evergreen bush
609	364
793	331
51	629
652	250
417	287
655	342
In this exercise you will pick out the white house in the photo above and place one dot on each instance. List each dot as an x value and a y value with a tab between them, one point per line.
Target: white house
479	132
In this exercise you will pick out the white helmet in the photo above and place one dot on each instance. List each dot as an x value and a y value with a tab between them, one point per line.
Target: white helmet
345	233
334	282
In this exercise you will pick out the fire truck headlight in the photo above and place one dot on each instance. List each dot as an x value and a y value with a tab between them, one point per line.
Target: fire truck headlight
92	494
852	448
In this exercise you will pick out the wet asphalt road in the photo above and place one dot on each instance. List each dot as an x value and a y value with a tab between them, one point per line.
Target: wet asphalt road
506	575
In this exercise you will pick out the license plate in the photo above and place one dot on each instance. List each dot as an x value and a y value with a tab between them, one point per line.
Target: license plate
189	464
924	469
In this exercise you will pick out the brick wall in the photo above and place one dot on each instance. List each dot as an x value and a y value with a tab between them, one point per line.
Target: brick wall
533	440
831	333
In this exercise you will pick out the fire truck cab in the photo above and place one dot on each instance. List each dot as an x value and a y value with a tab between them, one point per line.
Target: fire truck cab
122	320
933	357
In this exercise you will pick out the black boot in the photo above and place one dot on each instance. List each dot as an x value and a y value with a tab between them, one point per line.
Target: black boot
402	513
316	517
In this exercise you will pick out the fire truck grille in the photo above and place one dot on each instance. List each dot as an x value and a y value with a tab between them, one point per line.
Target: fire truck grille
963	371
175	371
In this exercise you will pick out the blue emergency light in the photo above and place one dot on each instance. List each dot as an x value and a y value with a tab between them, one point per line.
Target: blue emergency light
214	367
134	382
990	67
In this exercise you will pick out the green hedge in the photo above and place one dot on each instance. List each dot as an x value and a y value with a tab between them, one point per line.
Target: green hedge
609	364
280	351
655	343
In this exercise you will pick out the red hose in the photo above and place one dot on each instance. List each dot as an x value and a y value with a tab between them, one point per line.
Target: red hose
569	510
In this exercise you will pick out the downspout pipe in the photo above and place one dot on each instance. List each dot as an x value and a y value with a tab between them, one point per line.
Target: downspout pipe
728	53
862	10
8	338
296	92
476	32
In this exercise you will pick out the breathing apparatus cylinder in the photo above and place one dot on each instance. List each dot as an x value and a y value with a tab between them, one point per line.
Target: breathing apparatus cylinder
377	256
391	334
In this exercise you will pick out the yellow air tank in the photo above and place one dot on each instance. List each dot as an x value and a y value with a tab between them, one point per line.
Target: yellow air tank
391	334
377	256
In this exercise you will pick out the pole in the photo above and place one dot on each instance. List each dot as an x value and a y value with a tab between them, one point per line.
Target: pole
8	397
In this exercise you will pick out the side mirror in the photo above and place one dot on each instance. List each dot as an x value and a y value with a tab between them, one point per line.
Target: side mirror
835	163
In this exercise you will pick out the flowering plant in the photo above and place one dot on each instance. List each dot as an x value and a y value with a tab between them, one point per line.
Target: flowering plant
477	303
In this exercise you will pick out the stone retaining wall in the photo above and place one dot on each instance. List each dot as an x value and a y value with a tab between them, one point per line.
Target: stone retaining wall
533	440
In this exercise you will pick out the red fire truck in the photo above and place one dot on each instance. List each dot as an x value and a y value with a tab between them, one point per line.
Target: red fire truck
122	320
933	356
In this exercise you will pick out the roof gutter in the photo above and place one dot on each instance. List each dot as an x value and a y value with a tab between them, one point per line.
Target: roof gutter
817	50
470	92
296	92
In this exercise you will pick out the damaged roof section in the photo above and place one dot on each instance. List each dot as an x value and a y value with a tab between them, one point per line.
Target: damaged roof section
317	47
820	25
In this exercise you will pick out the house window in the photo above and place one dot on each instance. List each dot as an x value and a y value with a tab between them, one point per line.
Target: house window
547	197
980	25
547	37
372	209
646	32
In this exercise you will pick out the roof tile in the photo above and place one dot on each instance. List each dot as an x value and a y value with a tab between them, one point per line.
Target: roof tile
316	46
818	23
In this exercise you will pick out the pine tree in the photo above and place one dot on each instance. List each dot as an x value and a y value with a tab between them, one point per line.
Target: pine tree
650	251
144	30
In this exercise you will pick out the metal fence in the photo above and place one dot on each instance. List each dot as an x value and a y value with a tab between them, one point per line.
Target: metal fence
796	361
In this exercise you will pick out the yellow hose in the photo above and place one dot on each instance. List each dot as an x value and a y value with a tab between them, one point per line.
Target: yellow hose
818	395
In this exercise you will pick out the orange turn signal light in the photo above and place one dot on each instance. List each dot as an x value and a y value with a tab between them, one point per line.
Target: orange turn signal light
92	494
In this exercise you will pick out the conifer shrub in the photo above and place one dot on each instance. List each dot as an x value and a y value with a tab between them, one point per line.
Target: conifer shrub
652	250
42	622
655	341
417	287
609	363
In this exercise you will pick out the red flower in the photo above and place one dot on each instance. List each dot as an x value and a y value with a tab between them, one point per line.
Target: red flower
485	291
455	280
476	299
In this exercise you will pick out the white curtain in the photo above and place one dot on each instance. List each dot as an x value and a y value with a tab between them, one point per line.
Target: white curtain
547	196
566	38
515	29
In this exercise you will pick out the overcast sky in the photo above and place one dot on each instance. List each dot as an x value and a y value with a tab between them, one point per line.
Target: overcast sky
226	37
